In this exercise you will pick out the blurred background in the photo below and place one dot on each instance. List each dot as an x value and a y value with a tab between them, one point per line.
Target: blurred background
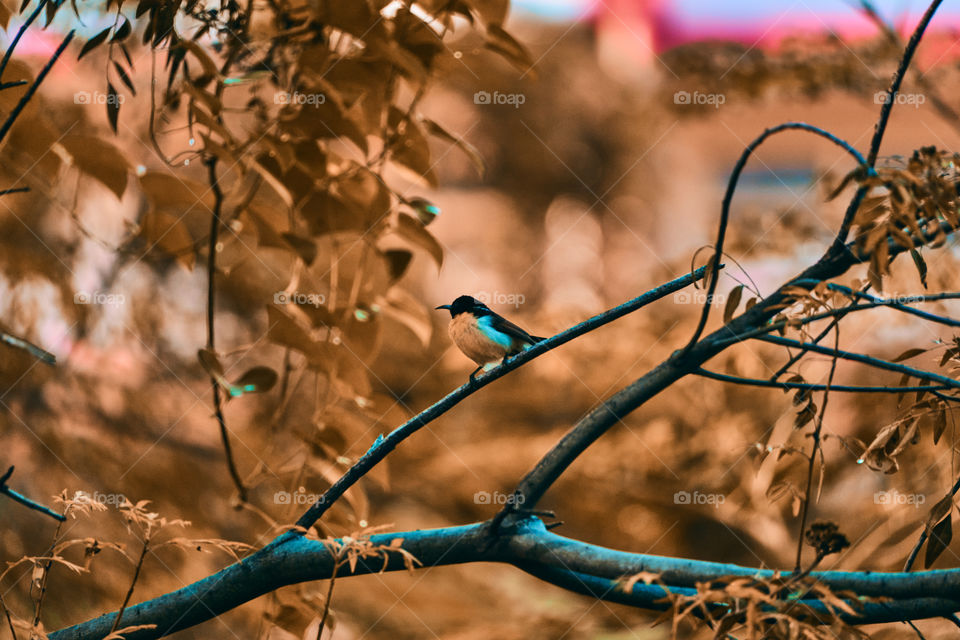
605	166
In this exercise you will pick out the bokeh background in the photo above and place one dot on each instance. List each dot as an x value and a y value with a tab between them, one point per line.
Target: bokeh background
605	166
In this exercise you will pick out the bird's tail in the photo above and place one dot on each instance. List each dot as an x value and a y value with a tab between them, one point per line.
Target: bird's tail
537	339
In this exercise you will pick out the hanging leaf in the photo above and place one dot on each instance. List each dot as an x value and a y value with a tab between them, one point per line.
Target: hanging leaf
164	231
490	12
413	232
939	540
410	312
939	423
733	301
921	265
113	106
286	331
94	42
100	160
122	32
909	353
506	45
306	248
256	380
210	363
426	211
410	149
397	262
124	77
805	415
939	511
471	151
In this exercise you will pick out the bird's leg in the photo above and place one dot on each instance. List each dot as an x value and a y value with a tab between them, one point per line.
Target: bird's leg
473	376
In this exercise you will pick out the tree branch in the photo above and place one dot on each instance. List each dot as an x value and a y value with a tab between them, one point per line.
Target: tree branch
863	359
786	386
568	563
384	445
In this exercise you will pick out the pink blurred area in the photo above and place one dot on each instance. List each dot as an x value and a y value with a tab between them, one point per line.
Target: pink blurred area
634	32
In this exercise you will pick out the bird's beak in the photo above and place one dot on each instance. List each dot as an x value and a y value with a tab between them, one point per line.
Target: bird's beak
443	306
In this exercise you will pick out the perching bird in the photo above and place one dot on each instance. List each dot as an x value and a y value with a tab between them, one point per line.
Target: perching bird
482	335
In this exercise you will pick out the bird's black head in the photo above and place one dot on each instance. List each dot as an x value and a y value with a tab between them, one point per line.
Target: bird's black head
463	304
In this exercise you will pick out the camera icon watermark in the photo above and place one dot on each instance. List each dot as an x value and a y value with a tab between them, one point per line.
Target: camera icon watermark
497	297
687	98
97	97
99	298
299	497
298	98
485	497
910	99
697	497
895	498
485	97
296	297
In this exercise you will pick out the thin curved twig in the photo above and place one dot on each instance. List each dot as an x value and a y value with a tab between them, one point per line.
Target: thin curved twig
728	198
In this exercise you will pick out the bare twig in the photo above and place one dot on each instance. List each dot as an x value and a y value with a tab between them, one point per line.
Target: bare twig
25	501
211	333
813	458
133	584
337	563
6	613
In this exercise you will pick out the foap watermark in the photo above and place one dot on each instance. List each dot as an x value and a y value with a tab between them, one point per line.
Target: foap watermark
99	298
304	99
895	498
914	99
485	97
485	497
97	97
712	99
106	499
697	497
698	297
296	297
300	496
497	297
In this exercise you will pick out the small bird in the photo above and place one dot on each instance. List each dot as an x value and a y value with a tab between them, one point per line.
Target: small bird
484	336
